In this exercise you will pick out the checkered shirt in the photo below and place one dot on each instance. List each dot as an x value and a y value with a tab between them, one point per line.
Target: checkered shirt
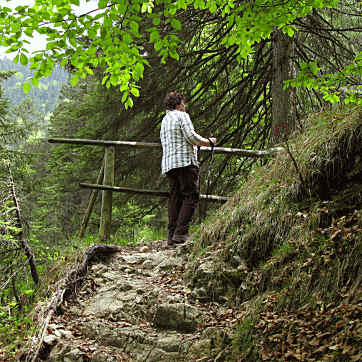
179	141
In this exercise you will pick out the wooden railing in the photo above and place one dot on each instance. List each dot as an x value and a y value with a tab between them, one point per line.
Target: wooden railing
107	175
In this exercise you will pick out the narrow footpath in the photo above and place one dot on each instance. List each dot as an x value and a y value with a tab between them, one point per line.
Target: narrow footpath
135	306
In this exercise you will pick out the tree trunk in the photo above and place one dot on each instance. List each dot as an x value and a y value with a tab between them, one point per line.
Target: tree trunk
283	101
28	252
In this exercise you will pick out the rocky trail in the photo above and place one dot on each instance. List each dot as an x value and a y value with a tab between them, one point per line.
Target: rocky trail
134	306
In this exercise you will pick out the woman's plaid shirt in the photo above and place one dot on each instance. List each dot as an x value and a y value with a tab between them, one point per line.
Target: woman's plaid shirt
179	141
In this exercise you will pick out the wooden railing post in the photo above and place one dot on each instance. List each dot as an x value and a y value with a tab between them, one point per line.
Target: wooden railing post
108	179
92	200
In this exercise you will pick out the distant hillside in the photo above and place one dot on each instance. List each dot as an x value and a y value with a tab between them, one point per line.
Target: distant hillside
44	97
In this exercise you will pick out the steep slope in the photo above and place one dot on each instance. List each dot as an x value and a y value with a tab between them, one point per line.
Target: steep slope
287	248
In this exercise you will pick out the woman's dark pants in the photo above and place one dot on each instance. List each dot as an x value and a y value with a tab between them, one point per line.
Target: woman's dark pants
183	200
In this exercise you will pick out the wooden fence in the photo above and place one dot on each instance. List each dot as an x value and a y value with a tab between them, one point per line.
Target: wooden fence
107	175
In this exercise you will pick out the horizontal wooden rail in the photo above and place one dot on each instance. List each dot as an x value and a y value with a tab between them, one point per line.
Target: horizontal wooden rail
148	192
108	176
222	150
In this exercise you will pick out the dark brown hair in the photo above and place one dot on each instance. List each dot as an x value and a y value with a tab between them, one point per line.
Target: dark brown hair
173	99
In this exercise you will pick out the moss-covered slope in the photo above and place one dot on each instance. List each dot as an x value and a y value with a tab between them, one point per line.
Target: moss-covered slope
287	248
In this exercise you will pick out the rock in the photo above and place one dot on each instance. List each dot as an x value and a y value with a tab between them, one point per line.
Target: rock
169	263
180	317
242	268
200	293
206	270
153	354
144	249
213	281
74	354
50	339
201	348
98	268
57	353
185	248
137	311
115	304
175	299
102	357
98	281
57	333
218	336
148	264
134	259
211	343
66	353
171	343
110	335
110	275
65	333
238	262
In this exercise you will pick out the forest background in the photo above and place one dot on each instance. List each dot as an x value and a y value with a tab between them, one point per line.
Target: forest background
231	60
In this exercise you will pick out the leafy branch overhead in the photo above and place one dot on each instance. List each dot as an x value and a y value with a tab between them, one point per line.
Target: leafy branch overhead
119	35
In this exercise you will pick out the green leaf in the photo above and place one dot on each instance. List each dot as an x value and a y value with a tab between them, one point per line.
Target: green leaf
134	28
176	24
88	70
174	54
129	103
27	87
212	6
102	4
35	81
127	38
124	96
154	36
158	45
156	20
28	32
135	92
147	7
75	80
144	8
23	59
138	71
